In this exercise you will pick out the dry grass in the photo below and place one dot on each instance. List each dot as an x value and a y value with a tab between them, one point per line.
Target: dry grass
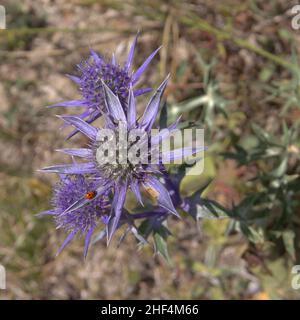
44	41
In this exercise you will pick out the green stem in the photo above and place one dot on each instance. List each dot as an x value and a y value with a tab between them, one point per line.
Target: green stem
195	21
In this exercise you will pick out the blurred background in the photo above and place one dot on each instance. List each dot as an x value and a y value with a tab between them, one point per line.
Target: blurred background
234	72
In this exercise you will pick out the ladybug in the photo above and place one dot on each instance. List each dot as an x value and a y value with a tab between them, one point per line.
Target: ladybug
90	195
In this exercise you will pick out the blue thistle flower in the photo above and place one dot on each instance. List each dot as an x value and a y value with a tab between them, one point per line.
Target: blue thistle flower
118	177
83	220
96	69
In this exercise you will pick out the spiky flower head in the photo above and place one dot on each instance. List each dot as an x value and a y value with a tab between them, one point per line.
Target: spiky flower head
81	221
119	176
119	78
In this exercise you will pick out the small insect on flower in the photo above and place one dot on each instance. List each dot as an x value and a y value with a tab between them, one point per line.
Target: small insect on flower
152	192
82	220
90	195
119	175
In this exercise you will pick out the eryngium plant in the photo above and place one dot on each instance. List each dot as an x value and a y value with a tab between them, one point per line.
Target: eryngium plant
92	193
91	73
267	214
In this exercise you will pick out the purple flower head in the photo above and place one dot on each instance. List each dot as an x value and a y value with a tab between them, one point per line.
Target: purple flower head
83	220
96	69
117	175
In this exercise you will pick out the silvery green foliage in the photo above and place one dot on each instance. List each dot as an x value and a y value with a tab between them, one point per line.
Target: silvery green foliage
268	214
